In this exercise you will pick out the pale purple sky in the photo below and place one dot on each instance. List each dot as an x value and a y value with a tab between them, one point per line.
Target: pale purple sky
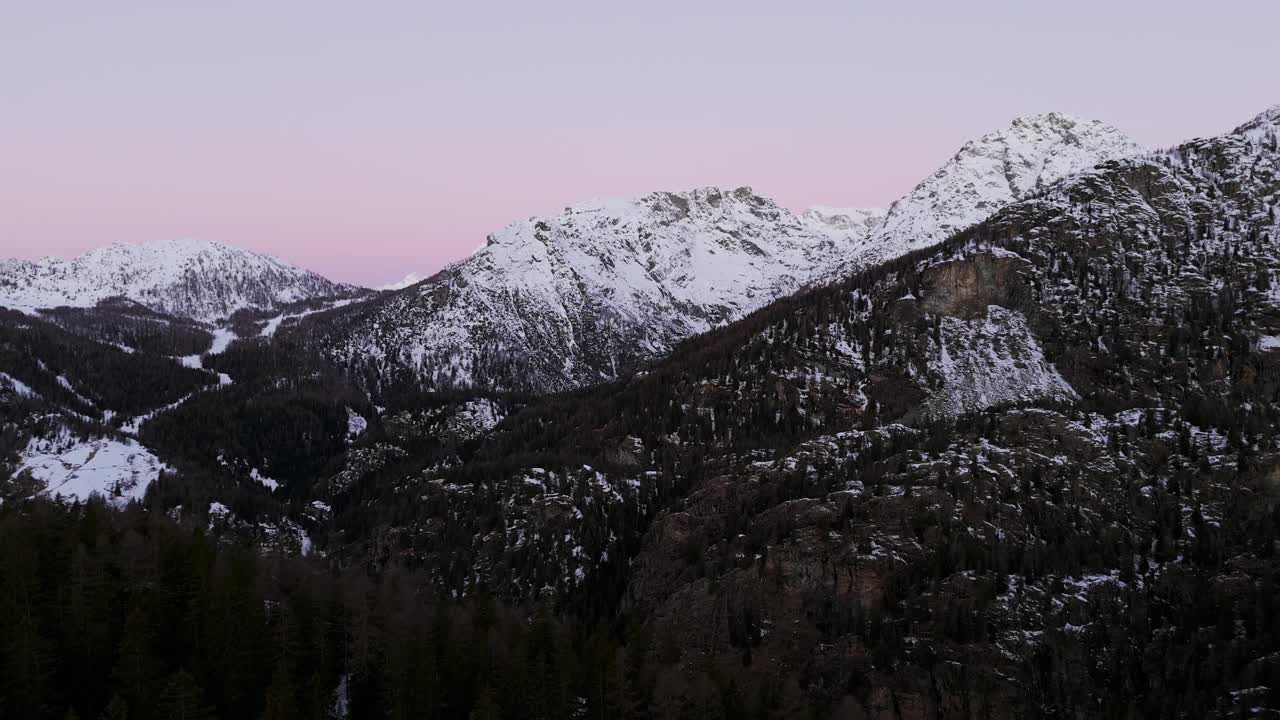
367	140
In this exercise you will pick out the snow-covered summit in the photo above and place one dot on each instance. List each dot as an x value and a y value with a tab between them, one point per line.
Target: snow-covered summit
987	174
1269	116
412	278
577	297
198	279
723	251
560	301
1263	128
857	219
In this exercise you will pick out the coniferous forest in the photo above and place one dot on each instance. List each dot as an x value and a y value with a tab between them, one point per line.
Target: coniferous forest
128	615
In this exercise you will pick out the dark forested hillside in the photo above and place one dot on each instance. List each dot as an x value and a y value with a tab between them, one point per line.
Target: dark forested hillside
1032	471
76	361
108	614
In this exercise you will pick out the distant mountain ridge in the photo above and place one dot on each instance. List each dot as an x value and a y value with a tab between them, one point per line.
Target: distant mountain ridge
558	302
412	278
195	279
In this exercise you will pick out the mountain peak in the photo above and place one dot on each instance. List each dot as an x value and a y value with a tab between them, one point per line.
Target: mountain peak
1046	132
574	298
412	278
1265	123
1053	117
580	296
709	197
992	171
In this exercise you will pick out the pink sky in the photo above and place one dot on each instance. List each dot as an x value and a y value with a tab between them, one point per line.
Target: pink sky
368	140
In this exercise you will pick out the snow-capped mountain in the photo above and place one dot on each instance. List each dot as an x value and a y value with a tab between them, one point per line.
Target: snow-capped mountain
196	279
552	303
412	278
984	176
857	221
558	302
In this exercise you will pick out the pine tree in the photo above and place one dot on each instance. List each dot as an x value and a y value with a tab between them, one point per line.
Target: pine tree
280	704
182	699
117	709
486	706
25	670
136	672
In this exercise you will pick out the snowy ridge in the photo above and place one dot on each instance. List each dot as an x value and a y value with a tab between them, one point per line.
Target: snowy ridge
986	175
412	278
188	278
579	297
557	302
1265	128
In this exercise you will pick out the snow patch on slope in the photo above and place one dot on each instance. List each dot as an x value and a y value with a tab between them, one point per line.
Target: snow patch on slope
75	468
269	330
263	480
356	424
1269	342
22	389
222	339
474	419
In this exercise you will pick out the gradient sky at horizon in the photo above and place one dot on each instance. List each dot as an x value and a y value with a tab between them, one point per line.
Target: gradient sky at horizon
368	140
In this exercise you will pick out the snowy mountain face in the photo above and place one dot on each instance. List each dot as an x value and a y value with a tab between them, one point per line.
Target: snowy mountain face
560	302
186	278
553	303
985	175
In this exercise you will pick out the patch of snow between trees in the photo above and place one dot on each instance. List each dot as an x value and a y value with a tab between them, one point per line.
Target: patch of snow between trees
76	468
356	424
